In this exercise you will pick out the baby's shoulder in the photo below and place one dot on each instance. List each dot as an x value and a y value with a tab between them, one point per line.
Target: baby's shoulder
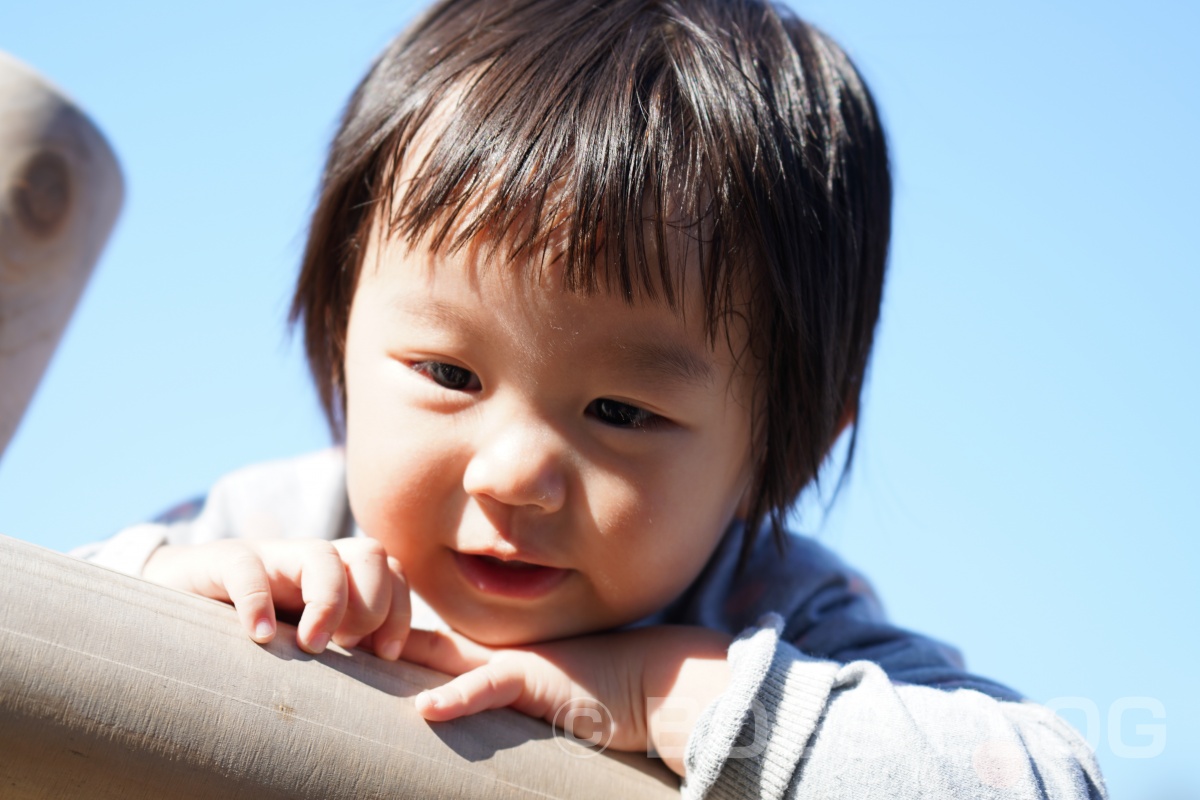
799	578
298	497
802	576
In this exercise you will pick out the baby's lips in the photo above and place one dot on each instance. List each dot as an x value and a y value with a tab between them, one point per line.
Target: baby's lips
511	578
511	556
513	564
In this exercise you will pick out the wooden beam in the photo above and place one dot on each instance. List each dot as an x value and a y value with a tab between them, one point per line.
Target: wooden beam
112	687
60	192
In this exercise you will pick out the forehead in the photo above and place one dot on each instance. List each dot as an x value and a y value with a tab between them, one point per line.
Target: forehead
541	209
481	287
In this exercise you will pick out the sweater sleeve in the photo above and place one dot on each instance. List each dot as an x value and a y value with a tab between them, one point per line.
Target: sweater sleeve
796	726
303	497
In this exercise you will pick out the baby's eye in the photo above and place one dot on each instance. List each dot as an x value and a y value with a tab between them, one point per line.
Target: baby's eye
622	415
448	375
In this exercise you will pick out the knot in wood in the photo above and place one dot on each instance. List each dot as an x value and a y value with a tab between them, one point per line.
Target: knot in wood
40	197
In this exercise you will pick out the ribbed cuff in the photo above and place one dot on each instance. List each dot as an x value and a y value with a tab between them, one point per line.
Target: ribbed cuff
751	739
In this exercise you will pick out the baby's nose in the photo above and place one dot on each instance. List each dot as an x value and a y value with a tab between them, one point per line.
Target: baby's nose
519	463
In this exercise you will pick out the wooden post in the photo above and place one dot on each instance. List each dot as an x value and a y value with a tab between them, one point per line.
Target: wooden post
112	687
60	191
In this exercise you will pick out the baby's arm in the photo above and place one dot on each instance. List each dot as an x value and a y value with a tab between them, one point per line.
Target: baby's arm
843	704
637	690
775	723
792	726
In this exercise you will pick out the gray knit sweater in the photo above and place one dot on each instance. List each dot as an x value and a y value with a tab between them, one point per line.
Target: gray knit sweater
827	700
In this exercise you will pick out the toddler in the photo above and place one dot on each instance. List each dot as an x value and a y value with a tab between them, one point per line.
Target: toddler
588	296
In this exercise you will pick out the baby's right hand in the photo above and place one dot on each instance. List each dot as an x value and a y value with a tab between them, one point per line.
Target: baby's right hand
348	590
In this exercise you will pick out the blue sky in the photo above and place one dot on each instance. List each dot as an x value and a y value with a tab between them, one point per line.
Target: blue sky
1028	446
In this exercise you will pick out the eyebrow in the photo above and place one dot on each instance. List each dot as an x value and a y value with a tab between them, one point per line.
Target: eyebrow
437	311
663	360
649	359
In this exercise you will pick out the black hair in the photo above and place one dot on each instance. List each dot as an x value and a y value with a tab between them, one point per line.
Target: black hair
613	125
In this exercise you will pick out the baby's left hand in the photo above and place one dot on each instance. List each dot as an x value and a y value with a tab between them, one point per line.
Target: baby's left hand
649	685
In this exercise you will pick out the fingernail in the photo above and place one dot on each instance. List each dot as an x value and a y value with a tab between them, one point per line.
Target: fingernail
429	699
318	643
389	651
263	630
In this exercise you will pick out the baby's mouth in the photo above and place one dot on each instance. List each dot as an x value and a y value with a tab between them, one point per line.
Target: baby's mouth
512	565
508	578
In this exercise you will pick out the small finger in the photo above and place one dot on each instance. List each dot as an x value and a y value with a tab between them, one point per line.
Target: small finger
490	686
245	581
323	589
445	652
389	638
368	589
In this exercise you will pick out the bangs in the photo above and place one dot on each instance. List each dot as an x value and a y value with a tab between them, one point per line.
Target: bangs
620	143
631	144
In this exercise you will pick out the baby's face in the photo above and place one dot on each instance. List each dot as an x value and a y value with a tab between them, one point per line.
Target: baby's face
543	464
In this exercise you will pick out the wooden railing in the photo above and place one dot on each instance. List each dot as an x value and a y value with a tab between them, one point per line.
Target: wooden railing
112	687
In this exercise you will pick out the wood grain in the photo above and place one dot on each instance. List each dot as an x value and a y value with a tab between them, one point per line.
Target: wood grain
112	687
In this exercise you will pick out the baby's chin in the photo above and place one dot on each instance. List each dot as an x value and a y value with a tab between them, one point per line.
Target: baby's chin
520	632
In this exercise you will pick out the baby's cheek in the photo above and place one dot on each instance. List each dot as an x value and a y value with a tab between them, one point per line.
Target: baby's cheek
652	544
673	563
687	540
389	493
625	509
